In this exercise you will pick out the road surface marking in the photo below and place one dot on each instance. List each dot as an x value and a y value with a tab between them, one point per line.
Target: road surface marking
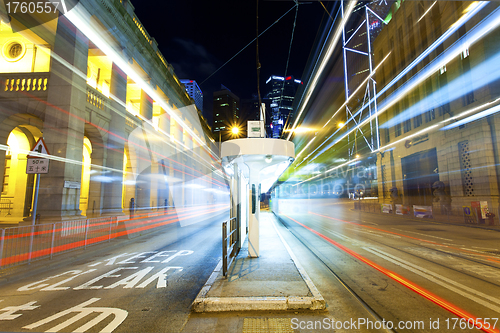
10	311
418	233
36	285
137	256
159	254
89	284
372	233
55	287
93	265
178	254
336	234
161	276
82	312
439	279
369	222
132	280
485	248
112	260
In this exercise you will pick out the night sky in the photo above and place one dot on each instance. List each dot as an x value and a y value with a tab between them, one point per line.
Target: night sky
197	37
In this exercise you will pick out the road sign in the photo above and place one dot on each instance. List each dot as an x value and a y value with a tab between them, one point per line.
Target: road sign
37	165
40	148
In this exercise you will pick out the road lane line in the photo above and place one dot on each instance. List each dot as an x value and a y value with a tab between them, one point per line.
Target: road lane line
451	246
418	233
371	233
407	283
439	279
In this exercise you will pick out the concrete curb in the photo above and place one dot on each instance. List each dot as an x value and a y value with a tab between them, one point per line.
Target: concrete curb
202	303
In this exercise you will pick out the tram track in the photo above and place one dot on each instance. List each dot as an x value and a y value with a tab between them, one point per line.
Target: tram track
444	265
319	228
374	314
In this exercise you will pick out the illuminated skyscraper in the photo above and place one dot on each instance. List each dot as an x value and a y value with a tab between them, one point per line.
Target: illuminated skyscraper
194	92
281	92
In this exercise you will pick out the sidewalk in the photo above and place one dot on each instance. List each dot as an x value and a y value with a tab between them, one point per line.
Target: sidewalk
273	281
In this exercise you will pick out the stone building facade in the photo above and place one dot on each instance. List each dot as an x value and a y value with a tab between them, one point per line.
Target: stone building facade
116	121
453	82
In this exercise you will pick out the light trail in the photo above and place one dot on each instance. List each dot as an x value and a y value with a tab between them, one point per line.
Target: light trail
407	283
311	85
151	224
481	29
487	257
81	18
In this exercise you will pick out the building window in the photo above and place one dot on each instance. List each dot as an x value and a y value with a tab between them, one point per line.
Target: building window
417	121
397	128
407	125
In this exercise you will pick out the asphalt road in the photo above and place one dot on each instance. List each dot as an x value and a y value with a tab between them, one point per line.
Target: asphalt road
419	273
146	284
414	273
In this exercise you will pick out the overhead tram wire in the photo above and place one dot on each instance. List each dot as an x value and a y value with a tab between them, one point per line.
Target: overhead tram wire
288	59
315	65
248	44
258	65
311	52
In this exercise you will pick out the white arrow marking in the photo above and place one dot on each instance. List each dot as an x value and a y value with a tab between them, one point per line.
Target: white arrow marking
11	310
119	314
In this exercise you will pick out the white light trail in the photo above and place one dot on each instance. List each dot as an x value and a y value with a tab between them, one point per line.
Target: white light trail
312	84
421	17
81	18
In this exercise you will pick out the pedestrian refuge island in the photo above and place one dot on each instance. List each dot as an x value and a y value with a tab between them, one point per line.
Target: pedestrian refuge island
254	164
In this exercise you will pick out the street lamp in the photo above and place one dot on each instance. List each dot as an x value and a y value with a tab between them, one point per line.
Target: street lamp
234	130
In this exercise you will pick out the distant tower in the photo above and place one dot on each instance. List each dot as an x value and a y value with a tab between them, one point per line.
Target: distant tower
281	92
194	92
226	112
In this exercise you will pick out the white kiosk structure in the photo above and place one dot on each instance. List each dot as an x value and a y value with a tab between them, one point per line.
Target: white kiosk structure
255	164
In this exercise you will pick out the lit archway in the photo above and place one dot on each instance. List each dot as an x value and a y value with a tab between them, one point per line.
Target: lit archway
17	189
84	187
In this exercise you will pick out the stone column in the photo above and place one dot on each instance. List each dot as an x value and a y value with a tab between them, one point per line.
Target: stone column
143	185
63	127
112	201
146	109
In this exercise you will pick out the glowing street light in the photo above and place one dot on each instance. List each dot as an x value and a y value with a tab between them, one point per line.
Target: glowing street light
235	130
340	125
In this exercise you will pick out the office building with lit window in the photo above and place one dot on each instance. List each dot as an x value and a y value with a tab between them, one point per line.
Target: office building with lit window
437	104
226	113
194	92
281	93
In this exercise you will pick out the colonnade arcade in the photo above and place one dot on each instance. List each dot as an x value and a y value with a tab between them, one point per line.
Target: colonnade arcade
109	140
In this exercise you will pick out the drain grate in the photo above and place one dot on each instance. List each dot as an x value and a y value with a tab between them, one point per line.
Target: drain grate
267	325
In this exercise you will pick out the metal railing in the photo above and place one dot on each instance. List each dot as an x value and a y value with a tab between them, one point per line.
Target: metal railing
24	244
229	241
